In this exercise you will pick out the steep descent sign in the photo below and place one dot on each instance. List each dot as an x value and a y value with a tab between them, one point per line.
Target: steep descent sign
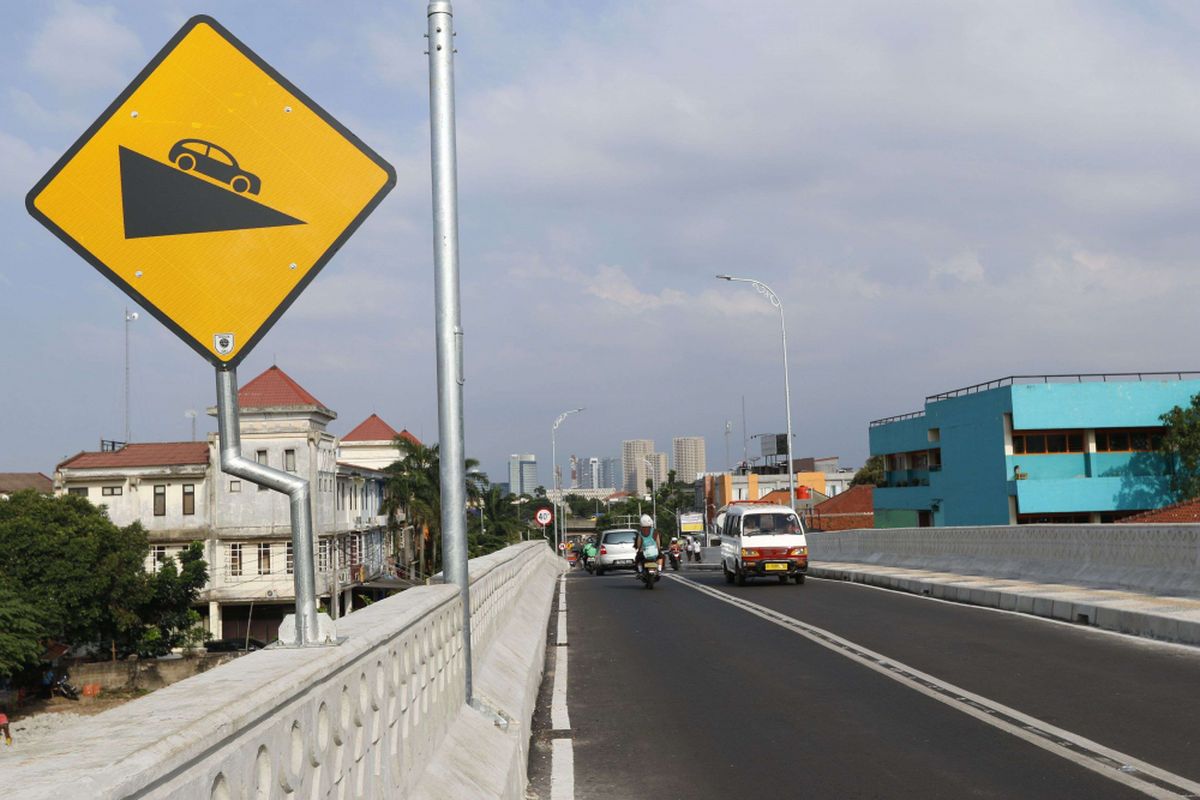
211	191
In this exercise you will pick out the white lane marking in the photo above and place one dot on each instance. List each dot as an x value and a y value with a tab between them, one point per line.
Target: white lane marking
560	720
561	637
1112	764
562	772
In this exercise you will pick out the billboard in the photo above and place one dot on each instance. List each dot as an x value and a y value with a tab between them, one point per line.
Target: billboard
691	523
774	444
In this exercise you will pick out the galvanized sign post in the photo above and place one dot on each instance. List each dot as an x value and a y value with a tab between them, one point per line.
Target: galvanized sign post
212	191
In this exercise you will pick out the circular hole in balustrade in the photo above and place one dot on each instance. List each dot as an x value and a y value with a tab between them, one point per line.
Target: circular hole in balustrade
262	774
344	713
220	788
364	698
297	749
380	685
322	730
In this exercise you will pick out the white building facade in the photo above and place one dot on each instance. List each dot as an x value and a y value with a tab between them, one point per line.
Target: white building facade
689	458
179	494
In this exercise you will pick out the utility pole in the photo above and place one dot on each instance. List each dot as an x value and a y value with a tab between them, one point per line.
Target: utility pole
444	167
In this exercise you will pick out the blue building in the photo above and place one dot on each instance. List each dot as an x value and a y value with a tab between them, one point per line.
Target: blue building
1030	449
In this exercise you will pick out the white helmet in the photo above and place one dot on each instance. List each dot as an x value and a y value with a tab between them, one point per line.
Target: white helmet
646	521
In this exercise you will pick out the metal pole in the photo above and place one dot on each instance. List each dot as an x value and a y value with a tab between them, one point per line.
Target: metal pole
787	390
128	319
558	527
232	462
443	162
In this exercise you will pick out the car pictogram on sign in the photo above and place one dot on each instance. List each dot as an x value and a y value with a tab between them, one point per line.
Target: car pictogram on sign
214	161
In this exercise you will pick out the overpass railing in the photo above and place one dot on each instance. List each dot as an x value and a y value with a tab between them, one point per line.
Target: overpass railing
361	719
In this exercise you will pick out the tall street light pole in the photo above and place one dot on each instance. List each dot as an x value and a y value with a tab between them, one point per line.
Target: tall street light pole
763	289
653	489
448	322
554	471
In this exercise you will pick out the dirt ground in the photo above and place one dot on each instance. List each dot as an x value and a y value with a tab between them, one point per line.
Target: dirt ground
40	720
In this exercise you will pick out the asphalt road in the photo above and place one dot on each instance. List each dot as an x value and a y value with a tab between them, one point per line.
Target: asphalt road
675	693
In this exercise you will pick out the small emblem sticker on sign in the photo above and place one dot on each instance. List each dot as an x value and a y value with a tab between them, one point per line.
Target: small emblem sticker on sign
223	343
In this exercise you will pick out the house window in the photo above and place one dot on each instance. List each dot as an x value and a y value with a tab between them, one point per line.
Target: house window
1042	442
1136	440
235	560
189	499
264	558
261	457
235	487
160	500
110	491
289	460
78	491
291	561
158	554
323	556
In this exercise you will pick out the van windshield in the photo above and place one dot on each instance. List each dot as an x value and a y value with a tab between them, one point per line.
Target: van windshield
619	537
753	524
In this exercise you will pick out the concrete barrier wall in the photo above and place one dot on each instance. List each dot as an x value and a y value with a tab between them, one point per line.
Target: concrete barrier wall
1155	559
363	719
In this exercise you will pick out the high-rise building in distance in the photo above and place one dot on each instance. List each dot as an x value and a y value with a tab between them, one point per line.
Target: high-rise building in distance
610	474
522	473
689	458
588	472
632	453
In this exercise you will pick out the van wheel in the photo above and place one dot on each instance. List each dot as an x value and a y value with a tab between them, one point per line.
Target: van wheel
728	574
783	578
799	579
740	577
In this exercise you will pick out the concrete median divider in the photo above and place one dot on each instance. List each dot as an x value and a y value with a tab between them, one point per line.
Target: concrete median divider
1156	559
1137	579
380	715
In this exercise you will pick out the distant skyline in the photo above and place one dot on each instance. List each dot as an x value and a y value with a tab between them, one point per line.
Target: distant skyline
941	193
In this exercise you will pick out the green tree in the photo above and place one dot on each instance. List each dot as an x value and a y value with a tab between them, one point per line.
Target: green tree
871	473
22	629
167	613
1181	449
85	578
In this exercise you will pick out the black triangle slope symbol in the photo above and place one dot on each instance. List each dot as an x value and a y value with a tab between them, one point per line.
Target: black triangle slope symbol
160	200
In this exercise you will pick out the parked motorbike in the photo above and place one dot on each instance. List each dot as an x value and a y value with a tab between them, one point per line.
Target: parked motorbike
63	687
648	574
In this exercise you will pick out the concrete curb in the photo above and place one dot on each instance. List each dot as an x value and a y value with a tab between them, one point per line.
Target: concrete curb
478	758
1171	619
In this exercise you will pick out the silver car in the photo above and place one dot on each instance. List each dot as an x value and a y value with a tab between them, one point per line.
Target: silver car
616	550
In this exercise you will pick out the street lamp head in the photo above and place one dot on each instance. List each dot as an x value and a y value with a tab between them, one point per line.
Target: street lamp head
724	277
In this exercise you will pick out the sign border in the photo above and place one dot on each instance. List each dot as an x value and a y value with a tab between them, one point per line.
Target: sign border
548	522
111	110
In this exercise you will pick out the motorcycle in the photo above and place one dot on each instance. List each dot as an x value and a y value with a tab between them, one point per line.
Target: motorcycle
673	557
648	574
61	686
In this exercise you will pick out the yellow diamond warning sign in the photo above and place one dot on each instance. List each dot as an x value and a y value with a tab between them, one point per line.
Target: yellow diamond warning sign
212	191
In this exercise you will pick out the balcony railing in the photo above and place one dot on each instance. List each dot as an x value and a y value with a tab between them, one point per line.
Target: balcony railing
911	415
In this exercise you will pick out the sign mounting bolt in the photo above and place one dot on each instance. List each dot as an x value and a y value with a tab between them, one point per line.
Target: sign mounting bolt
287	109
292	265
137	274
133	114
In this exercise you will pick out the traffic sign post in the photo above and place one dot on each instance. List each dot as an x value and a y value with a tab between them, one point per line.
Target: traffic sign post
212	191
544	517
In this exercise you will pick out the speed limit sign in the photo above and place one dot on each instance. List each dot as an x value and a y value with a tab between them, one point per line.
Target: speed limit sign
544	517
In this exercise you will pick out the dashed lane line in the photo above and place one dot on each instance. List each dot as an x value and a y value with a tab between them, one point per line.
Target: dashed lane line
562	771
1112	764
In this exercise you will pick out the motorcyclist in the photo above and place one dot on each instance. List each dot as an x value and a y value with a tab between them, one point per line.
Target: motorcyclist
676	552
589	553
649	544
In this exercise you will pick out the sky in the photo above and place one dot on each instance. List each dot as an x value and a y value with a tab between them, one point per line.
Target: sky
941	193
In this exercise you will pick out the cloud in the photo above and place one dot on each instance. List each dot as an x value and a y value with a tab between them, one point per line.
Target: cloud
964	267
83	48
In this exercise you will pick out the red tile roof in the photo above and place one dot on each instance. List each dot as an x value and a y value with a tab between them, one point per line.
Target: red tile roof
371	429
855	500
852	509
149	454
1187	511
18	481
275	388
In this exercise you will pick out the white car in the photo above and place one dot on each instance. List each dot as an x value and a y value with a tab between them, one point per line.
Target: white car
616	550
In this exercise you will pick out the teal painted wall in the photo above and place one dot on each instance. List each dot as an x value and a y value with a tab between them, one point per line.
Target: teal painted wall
1097	404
